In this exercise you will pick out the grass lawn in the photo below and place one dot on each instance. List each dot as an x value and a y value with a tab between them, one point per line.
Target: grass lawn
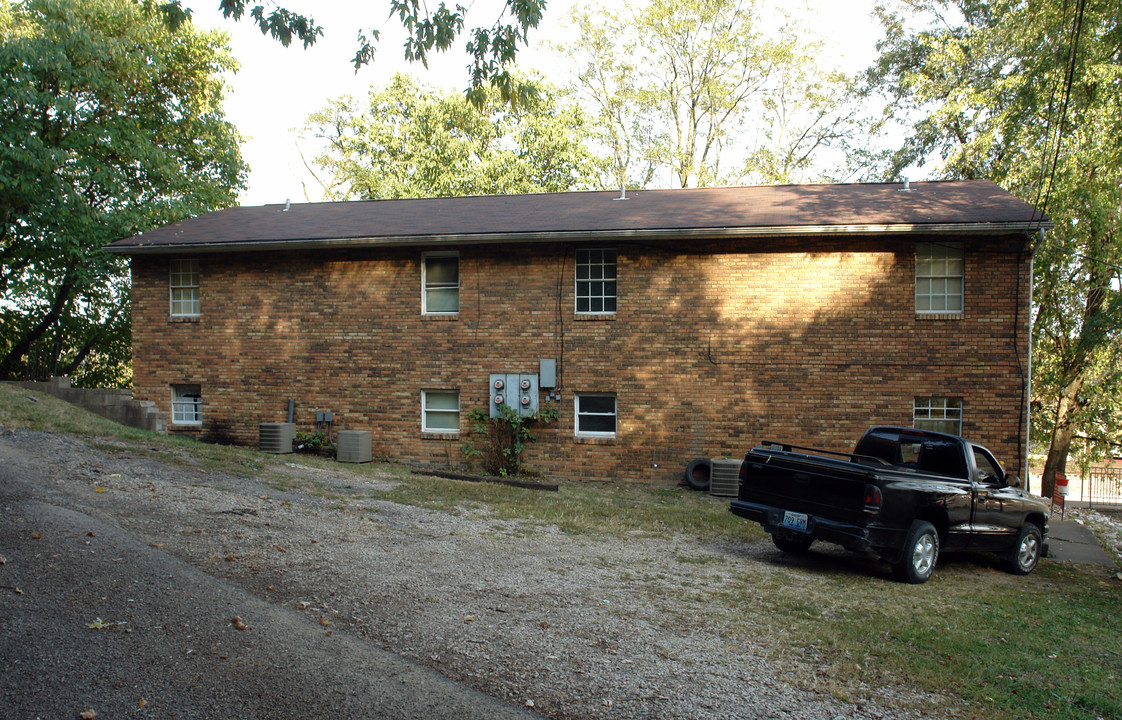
996	646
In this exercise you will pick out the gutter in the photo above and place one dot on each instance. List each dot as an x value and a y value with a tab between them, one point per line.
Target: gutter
460	239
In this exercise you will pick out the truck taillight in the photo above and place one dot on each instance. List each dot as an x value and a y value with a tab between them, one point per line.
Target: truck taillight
872	499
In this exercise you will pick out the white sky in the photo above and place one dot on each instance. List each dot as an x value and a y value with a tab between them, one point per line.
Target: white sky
276	88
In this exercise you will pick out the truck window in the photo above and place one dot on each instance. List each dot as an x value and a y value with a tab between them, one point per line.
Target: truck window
943	457
909	452
929	454
989	470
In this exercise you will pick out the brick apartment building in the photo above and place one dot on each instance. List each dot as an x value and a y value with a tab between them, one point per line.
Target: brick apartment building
663	326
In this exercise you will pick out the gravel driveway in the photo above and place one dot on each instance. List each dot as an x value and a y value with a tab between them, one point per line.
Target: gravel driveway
559	625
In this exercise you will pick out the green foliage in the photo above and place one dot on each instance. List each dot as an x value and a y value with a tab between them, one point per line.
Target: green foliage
505	437
1029	94
492	49
316	442
409	141
111	125
678	87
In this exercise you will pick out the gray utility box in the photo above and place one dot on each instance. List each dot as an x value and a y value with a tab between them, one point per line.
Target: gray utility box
520	392
353	446
276	437
724	478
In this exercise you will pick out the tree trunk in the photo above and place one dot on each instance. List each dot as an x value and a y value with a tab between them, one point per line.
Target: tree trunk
1062	433
82	355
19	349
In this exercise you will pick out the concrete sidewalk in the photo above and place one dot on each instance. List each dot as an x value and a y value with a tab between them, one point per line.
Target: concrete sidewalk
1069	541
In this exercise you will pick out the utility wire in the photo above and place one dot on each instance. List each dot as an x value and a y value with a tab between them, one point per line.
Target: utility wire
1069	80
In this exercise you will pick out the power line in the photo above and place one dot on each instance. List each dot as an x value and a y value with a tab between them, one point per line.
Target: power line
1069	80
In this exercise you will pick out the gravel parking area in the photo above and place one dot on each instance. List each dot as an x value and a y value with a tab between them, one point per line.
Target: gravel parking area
567	626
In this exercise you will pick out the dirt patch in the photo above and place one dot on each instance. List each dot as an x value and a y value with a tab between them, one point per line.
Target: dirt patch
572	626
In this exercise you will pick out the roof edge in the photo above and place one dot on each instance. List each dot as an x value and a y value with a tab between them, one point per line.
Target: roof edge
578	235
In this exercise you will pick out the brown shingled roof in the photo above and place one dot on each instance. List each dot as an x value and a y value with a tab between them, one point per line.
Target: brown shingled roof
968	206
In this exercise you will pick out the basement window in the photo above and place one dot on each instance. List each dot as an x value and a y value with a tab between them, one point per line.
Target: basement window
186	405
596	281
595	415
940	414
185	288
440	411
939	278
440	280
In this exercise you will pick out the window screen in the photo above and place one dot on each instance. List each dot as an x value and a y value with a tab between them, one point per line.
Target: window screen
440	411
596	415
441	284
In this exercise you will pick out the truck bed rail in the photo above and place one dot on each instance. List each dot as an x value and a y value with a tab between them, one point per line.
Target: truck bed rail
853	457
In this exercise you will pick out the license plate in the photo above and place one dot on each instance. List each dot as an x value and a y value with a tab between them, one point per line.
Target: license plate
794	520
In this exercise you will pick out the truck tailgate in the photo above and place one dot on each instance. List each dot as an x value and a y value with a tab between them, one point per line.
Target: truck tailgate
808	484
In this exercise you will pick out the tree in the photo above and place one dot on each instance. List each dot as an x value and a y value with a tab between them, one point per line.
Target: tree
1030	95
409	141
680	85
492	49
109	125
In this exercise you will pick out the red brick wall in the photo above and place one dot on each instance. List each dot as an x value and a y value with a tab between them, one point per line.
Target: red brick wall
714	347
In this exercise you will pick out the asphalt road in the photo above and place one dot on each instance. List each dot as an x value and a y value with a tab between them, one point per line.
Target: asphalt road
93	619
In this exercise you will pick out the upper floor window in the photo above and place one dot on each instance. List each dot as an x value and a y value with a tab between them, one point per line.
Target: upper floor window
596	281
941	414
440	280
185	288
939	278
186	405
440	411
595	415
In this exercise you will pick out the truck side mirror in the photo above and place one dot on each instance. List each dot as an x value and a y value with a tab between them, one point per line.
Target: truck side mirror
1013	481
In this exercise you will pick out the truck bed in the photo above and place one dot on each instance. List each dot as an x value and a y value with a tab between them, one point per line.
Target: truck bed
811	484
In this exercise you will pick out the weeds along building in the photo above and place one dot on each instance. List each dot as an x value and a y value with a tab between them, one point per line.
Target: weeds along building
663	325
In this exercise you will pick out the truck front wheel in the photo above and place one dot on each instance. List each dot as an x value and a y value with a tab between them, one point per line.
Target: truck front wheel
921	551
1026	554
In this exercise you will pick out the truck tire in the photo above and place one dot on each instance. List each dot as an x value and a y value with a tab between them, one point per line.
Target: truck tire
791	542
1026	553
921	551
698	474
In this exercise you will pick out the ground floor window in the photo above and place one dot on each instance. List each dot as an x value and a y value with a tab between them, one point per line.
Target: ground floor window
595	415
186	405
941	414
440	411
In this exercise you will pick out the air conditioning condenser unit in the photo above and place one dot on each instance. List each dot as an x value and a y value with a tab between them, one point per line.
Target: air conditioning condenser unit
276	437
353	446
724	478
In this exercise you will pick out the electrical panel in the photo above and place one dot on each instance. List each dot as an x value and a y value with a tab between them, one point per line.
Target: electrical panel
547	371
520	392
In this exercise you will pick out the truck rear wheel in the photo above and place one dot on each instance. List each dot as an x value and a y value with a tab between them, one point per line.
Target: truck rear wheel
791	542
921	551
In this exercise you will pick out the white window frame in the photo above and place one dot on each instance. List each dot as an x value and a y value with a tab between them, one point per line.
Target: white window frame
595	271
183	288
186	404
578	414
425	410
931	412
940	278
426	286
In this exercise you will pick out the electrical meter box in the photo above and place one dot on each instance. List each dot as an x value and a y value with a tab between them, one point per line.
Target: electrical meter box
520	392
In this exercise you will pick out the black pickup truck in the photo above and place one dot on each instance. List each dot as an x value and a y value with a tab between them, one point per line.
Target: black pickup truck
904	494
